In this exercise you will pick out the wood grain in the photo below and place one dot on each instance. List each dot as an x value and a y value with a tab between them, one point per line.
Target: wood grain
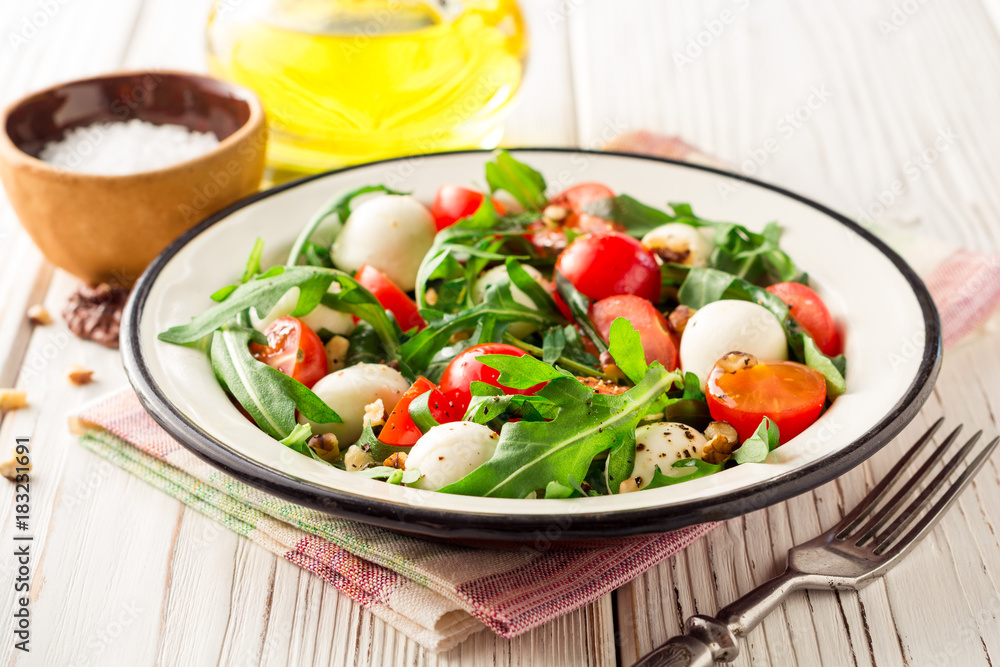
127	575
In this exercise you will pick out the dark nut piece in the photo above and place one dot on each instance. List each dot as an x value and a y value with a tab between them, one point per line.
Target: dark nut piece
722	442
736	361
679	318
95	313
326	446
397	460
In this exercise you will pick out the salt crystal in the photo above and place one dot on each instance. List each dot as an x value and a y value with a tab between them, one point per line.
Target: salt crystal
132	147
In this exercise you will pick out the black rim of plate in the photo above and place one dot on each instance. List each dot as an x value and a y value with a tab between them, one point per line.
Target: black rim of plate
545	528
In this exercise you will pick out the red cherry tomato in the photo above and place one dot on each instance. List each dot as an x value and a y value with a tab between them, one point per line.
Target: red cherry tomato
453	202
788	393
810	312
464	370
657	341
575	198
399	429
294	349
603	265
391	297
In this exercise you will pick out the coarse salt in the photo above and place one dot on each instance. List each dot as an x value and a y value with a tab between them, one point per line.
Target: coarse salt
132	147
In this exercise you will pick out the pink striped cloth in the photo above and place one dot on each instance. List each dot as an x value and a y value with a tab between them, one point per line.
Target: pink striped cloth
439	594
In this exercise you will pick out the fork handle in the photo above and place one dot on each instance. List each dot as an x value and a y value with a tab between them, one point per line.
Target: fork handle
708	640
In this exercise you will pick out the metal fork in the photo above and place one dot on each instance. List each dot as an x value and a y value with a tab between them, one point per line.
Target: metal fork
873	537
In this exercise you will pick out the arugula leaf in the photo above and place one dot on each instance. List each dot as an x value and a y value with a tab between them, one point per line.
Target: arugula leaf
364	346
420	413
619	465
297	441
520	372
763	441
317	255
579	305
524	183
625	347
489	403
498	307
832	370
313	283
697	468
267	394
555	490
692	387
253	263
553	344
529	455
691	411
637	218
524	282
335	212
390	475
703	286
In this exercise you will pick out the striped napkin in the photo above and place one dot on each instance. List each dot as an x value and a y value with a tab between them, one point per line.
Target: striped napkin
440	594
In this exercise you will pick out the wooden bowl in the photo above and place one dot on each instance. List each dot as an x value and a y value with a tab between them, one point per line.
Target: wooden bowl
109	228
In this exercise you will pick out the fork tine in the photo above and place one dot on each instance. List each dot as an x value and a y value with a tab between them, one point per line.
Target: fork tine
862	509
912	484
889	537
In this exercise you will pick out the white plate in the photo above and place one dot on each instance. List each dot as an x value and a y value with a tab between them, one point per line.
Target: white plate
892	344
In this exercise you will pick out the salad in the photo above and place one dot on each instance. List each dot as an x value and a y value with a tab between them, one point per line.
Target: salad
522	345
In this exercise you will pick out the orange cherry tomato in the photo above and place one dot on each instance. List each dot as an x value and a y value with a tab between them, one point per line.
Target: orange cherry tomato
399	429
811	313
658	342
294	349
453	202
391	297
789	393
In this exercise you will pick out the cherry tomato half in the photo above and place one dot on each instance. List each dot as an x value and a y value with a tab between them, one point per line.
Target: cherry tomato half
575	198
399	429
464	370
453	202
658	342
294	349
788	393
391	297
811	313
603	265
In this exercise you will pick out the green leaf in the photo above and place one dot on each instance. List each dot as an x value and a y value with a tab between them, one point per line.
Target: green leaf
763	441
688	469
499	306
524	282
637	218
703	286
555	490
832	369
365	346
619	466
267	394
520	372
317	255
524	183
297	441
253	263
489	403
420	413
223	293
691	411
579	305
625	346
340	207
692	387
553	344
529	455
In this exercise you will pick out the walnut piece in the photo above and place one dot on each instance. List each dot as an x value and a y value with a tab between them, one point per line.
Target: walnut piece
375	413
336	353
357	459
79	375
326	446
39	315
12	399
95	313
396	460
679	318
9	469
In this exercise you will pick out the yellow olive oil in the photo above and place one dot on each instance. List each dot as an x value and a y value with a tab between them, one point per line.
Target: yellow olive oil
348	81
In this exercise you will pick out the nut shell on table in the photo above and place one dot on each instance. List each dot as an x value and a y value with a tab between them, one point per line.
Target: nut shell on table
95	313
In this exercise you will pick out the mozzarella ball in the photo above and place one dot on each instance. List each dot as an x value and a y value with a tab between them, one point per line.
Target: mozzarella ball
348	391
321	317
730	326
498	274
391	233
660	446
449	452
679	243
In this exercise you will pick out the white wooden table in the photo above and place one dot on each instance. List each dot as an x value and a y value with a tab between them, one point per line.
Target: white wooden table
847	95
